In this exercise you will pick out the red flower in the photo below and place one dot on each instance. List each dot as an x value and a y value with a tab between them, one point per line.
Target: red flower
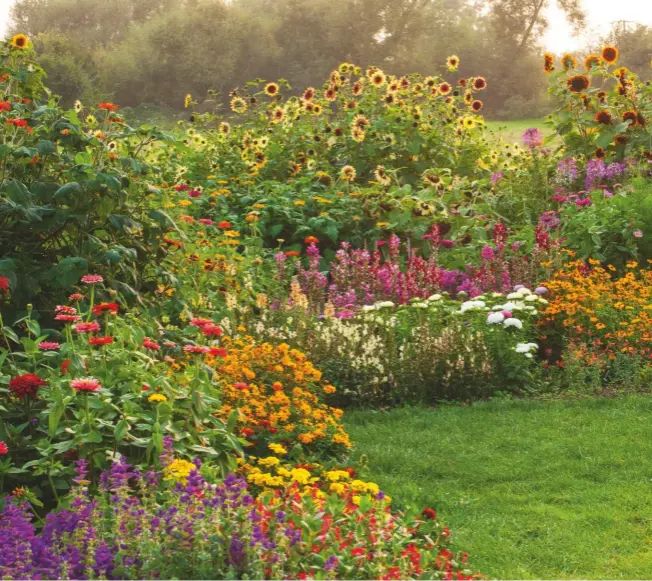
217	352
224	225
247	432
241	386
429	514
358	552
108	107
102	307
16	122
87	327
5	106
351	471
3	449
149	344
100	340
25	386
292	253
4	283
311	240
64	366
211	330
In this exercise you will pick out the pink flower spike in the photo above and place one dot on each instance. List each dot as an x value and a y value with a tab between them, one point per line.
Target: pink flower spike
48	346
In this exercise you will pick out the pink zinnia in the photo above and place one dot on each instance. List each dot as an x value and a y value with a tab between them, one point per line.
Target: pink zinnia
638	234
196	349
194	194
87	327
85	384
48	346
91	279
66	310
75	297
67	318
205	221
199	322
149	344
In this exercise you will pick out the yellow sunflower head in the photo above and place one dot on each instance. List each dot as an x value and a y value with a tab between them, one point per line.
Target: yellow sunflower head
19	41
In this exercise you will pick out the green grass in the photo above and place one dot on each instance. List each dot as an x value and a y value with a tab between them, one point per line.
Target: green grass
532	490
512	131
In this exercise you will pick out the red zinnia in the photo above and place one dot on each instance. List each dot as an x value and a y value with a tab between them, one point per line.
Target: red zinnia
217	352
4	283
211	330
108	107
102	307
25	386
149	344
429	514
224	225
3	449
100	341
311	240
87	327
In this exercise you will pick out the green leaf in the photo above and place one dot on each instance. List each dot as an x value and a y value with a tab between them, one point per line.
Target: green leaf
120	430
67	190
93	438
70	270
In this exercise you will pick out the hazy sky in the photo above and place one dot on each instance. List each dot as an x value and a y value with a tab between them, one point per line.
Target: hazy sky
601	14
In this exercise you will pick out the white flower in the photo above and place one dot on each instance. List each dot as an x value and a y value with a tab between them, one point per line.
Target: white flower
472	305
436	297
531	298
420	305
543	301
513	323
385	305
525	347
508	306
524	291
367	308
495	318
513	296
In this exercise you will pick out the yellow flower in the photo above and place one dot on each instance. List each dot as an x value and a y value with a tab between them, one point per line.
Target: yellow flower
179	470
188	101
300	475
157	397
19	41
382	224
269	461
299	203
277	449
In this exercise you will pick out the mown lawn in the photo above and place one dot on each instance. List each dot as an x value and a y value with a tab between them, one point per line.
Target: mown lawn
547	490
512	131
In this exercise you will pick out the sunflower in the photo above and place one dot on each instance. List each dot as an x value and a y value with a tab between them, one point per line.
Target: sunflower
578	83
599	153
621	139
548	62
357	88
295	169
358	134
476	105
631	116
444	88
602	96
479	83
348	173
393	87
378	78
351	104
610	54
316	110
430	178
278	115
78	106
361	121
468	96
453	62
468	122
271	89
603	117
260	158
430	82
381	176
308	94
224	128
389	99
91	120
345	68
593	60
19	41
187	101
112	146
330	94
238	105
569	62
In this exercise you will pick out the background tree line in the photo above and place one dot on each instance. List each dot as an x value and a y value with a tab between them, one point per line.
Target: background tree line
157	51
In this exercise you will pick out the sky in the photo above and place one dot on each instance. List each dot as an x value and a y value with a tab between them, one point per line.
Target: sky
559	38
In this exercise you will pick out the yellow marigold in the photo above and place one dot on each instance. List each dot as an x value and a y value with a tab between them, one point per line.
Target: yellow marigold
157	397
269	461
300	475
278	449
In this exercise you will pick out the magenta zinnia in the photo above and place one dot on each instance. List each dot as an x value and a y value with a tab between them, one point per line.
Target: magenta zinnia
87	327
91	279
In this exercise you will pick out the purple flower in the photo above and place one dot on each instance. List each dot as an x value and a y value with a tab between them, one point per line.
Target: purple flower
496	177
487	253
331	563
532	138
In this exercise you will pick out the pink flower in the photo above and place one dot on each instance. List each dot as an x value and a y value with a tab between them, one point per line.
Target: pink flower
67	318
196	349
87	384
638	234
91	279
75	297
87	327
487	252
199	322
3	449
194	194
205	221
65	310
48	346
507	314
211	330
